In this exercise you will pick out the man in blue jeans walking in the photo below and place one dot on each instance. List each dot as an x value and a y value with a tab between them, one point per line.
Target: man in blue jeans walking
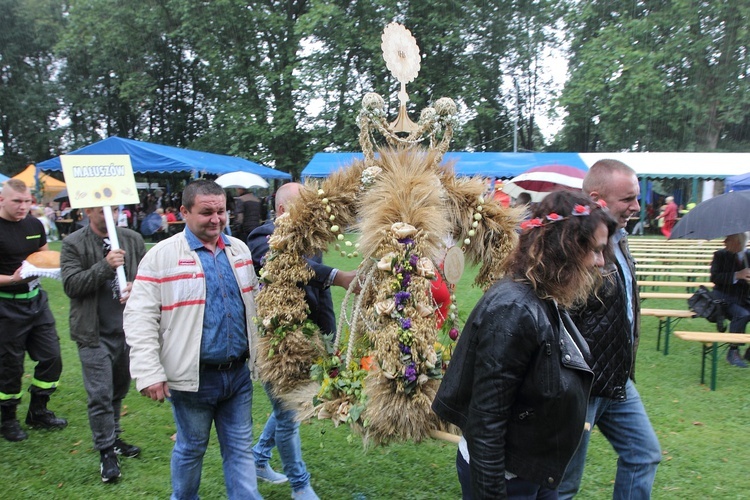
282	428
190	325
610	323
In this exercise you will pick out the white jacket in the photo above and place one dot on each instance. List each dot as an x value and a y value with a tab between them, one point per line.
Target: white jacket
163	318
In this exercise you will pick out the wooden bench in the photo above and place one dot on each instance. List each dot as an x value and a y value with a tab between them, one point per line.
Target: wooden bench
711	342
670	253
665	295
688	285
674	260
671	267
665	317
673	274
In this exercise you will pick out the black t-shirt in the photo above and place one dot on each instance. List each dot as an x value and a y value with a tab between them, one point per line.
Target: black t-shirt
18	240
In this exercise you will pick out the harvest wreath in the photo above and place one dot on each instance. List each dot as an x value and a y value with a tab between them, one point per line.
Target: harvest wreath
405	205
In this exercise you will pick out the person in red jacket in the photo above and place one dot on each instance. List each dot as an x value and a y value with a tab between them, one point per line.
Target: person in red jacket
669	214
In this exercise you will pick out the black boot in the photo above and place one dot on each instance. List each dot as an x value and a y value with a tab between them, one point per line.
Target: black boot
733	357
39	417
11	429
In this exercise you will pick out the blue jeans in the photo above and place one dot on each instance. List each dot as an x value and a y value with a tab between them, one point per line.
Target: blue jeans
282	430
224	398
739	316
628	429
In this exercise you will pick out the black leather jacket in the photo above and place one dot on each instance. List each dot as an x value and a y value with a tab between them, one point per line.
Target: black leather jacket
518	387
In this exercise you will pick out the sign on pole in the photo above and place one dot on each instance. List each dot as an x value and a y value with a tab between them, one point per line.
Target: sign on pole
101	181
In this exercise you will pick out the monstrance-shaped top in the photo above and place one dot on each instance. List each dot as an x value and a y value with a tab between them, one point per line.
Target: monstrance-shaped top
401	54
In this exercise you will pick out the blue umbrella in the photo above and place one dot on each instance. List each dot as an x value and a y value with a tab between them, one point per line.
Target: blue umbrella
150	224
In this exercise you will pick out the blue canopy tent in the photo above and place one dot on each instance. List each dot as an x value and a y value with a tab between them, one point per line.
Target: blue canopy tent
147	157
495	165
737	183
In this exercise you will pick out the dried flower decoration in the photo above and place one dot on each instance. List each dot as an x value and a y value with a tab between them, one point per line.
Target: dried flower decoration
531	223
552	217
369	175
581	210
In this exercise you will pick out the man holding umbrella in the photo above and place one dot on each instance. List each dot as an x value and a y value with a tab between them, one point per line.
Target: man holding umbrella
730	275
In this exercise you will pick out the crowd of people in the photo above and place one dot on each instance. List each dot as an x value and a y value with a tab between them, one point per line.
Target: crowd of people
547	354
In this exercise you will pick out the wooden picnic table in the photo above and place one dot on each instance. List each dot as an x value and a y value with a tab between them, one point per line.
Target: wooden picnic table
667	320
176	226
665	295
64	226
673	284
667	317
681	274
667	267
639	258
710	346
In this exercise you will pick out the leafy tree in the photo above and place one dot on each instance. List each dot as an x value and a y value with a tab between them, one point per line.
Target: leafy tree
277	81
28	96
657	76
250	50
467	48
127	73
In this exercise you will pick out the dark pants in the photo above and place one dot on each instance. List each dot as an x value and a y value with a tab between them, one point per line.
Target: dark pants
106	377
517	488
28	326
739	316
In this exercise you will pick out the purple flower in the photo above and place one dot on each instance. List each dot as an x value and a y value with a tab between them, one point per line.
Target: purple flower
401	298
413	260
398	269
410	373
406	241
405	323
405	349
406	280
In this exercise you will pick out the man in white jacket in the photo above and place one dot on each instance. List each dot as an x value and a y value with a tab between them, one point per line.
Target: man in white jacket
189	323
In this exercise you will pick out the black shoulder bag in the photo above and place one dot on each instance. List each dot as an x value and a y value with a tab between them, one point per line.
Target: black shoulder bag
704	305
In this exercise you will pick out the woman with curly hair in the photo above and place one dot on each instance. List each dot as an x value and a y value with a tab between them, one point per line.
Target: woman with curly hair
518	383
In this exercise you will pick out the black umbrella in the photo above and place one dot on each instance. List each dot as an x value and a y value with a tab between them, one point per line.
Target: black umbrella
716	218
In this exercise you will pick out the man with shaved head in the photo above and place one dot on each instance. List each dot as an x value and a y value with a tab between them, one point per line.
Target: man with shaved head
282	428
610	323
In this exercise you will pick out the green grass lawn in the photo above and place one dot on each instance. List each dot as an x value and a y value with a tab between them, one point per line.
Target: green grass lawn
705	436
